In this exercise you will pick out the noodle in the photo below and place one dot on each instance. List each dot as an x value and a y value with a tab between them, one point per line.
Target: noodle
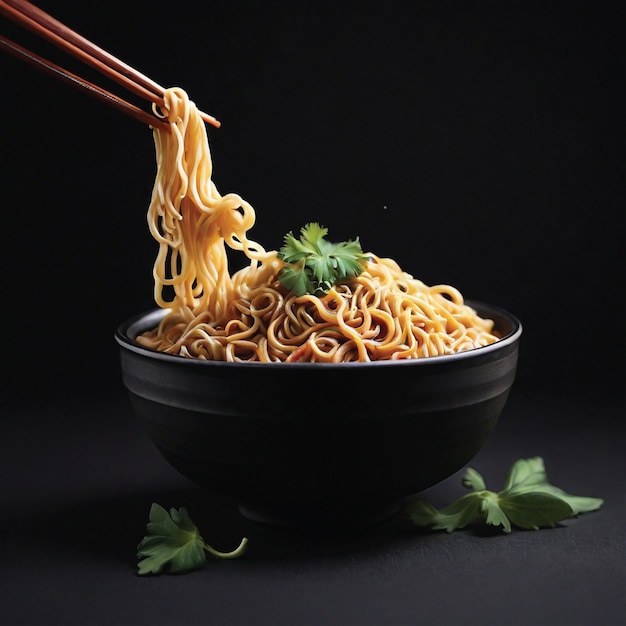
383	314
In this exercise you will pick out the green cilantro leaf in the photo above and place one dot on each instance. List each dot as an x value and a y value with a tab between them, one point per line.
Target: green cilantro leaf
457	515
525	474
535	510
492	510
529	476
173	541
313	264
473	480
527	501
297	280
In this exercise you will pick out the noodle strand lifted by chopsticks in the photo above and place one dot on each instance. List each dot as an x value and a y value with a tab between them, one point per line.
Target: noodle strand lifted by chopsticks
382	314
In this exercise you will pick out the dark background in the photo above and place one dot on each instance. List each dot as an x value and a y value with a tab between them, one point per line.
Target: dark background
478	143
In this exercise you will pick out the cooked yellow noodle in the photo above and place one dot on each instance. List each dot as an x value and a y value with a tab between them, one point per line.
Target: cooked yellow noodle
383	314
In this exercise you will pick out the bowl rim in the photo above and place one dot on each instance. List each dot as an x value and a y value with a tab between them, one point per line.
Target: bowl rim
128	330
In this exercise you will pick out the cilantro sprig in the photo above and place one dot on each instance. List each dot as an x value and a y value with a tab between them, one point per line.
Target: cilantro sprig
313	264
174	543
528	501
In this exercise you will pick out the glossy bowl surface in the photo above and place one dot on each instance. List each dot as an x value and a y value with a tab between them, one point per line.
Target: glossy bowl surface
319	442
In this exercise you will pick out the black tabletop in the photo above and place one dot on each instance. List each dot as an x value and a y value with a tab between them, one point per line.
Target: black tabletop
80	476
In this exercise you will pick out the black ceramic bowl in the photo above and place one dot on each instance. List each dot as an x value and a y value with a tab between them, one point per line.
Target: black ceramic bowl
323	442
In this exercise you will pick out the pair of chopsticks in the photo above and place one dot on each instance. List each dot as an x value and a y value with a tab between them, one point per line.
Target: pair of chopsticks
32	18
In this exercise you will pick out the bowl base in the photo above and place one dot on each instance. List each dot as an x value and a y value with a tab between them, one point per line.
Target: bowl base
297	517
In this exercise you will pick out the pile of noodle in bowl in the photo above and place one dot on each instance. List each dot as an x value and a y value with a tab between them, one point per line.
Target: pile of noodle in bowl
382	314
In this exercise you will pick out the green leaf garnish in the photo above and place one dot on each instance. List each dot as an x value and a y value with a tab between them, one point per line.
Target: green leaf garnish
456	515
313	264
527	501
173	541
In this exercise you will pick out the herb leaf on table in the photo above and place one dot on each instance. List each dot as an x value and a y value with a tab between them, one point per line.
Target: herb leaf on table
527	501
174	543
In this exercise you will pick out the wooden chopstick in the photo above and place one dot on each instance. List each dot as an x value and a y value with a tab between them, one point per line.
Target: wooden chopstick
76	81
44	25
